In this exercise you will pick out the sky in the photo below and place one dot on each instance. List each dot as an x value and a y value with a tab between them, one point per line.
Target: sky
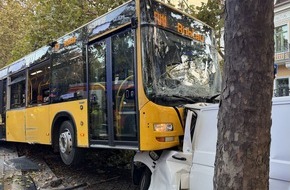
196	2
192	2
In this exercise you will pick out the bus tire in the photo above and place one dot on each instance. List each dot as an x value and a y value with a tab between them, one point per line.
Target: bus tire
67	144
145	179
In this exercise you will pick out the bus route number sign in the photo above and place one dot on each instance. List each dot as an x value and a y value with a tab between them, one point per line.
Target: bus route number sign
162	20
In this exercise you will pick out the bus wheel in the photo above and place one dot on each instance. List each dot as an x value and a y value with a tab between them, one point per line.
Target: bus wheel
145	179
68	151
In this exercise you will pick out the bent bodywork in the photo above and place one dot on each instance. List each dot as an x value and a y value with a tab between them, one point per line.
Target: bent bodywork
194	168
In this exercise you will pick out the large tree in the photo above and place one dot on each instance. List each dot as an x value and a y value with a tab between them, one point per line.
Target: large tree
244	119
13	30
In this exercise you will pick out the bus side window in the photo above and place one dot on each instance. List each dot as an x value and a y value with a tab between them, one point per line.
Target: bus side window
17	85
125	124
2	100
68	76
39	84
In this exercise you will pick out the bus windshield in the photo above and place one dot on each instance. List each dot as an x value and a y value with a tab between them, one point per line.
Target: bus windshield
179	58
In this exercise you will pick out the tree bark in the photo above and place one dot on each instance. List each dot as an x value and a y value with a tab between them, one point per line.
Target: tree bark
244	119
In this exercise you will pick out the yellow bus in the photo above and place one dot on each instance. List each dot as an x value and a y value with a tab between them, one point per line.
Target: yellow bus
120	81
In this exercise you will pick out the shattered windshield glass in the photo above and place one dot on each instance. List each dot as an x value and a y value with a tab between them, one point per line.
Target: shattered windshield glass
176	66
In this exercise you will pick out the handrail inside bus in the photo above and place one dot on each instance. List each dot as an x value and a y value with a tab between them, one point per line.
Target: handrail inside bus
119	104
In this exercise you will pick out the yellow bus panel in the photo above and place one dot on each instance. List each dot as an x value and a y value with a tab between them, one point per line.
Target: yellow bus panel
38	125
152	114
78	111
15	125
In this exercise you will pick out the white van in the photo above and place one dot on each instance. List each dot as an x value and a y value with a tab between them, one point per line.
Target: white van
193	168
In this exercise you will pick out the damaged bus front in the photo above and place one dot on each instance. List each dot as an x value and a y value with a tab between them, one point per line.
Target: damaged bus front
179	67
179	57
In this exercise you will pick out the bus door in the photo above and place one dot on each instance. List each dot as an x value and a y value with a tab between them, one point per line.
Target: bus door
3	84
15	115
37	113
112	105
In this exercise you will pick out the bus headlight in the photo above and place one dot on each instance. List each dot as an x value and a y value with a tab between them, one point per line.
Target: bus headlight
162	127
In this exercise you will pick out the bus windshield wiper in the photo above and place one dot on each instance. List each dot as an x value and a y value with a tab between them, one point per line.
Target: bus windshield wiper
213	98
171	98
185	98
210	99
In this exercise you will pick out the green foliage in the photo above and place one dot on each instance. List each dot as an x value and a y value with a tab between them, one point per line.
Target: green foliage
56	18
14	21
212	13
27	25
113	158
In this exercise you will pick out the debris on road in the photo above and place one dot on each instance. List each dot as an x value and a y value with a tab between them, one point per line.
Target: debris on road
31	167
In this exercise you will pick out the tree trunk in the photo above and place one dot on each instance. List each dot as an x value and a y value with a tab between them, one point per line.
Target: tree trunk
244	119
